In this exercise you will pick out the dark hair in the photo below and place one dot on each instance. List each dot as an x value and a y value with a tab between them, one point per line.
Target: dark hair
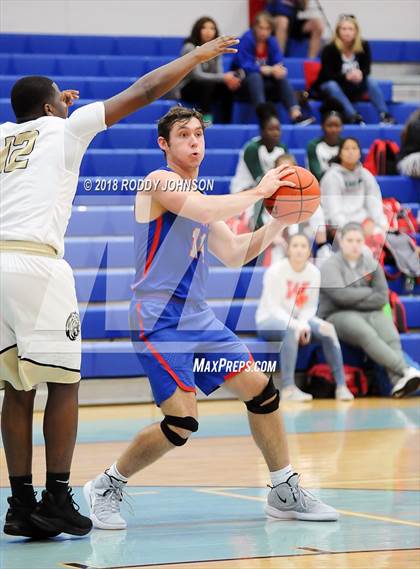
174	115
195	35
331	108
265	112
299	234
351	226
337	159
264	15
29	95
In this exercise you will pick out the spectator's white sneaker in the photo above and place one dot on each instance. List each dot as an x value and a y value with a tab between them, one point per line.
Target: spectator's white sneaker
288	501
343	393
293	393
409	383
104	496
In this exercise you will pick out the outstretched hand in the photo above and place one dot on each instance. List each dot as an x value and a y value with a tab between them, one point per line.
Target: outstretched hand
273	180
69	96
216	47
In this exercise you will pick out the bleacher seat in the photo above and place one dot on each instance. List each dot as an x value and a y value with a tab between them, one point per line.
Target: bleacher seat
135	136
236	314
99	242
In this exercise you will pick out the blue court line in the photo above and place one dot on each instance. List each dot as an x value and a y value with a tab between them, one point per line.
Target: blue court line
187	525
344	418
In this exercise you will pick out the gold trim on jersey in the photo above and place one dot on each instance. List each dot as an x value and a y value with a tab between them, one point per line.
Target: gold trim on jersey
25	374
29	247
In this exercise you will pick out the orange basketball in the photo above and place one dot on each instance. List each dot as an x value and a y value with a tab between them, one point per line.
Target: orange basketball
295	205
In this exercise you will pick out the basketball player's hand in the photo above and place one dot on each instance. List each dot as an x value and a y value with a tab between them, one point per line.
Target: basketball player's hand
273	180
216	47
69	96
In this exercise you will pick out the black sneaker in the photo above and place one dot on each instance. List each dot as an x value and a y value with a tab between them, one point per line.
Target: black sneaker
60	513
386	118
357	119
18	521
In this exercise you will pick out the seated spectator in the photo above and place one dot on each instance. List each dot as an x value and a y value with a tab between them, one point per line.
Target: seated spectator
297	19
354	297
323	149
314	228
345	72
260	59
257	157
207	83
349	192
286	312
409	156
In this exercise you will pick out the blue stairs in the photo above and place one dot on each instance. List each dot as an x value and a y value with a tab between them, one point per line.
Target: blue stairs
99	236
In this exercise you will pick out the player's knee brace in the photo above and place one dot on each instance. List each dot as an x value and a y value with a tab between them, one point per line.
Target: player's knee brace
256	406
187	423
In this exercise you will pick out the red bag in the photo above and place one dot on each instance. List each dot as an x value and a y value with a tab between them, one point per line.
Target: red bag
382	158
356	381
400	218
399	314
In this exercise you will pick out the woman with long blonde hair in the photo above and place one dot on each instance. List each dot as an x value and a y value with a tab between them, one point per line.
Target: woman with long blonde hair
345	71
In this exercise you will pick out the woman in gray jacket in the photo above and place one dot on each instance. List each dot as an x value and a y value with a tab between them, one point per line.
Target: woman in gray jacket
354	298
349	192
208	82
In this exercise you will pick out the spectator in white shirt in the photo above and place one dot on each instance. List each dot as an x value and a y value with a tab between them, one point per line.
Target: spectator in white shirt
287	313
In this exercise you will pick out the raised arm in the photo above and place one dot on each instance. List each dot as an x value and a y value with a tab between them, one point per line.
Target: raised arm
206	208
158	82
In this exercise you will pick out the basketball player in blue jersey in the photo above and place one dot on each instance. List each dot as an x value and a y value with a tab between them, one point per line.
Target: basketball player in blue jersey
176	227
40	157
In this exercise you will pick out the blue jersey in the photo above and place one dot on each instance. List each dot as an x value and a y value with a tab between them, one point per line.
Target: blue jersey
171	258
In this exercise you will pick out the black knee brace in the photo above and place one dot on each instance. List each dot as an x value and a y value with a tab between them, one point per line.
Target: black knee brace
187	423
256	406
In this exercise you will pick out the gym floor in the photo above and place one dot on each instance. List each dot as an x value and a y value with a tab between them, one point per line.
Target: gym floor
201	506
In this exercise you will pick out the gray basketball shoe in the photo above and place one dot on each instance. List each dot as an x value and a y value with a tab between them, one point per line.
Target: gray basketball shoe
288	501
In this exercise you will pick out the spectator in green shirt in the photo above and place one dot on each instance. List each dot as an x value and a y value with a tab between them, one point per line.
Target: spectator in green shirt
323	149
258	156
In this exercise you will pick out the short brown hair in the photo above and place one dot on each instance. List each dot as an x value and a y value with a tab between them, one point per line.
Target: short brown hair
177	114
264	16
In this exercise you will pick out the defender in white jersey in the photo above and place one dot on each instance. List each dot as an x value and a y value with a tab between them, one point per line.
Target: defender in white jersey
40	156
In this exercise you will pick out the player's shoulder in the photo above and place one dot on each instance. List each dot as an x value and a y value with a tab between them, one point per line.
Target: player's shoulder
39	124
163	174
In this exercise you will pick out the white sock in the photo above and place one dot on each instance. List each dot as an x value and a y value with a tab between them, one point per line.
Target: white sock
113	471
279	476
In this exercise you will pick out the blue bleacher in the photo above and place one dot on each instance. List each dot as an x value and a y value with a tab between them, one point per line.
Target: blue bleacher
135	136
113	285
382	50
118	359
99	243
104	87
101	321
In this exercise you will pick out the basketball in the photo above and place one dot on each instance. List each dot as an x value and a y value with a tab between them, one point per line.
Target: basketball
295	205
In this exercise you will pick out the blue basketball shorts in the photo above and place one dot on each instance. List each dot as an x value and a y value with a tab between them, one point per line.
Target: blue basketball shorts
184	345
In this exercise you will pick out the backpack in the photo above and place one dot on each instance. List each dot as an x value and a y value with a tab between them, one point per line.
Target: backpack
321	384
400	219
400	249
381	159
398	312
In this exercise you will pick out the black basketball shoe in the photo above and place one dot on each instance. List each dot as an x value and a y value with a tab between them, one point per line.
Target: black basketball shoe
60	513
18	520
